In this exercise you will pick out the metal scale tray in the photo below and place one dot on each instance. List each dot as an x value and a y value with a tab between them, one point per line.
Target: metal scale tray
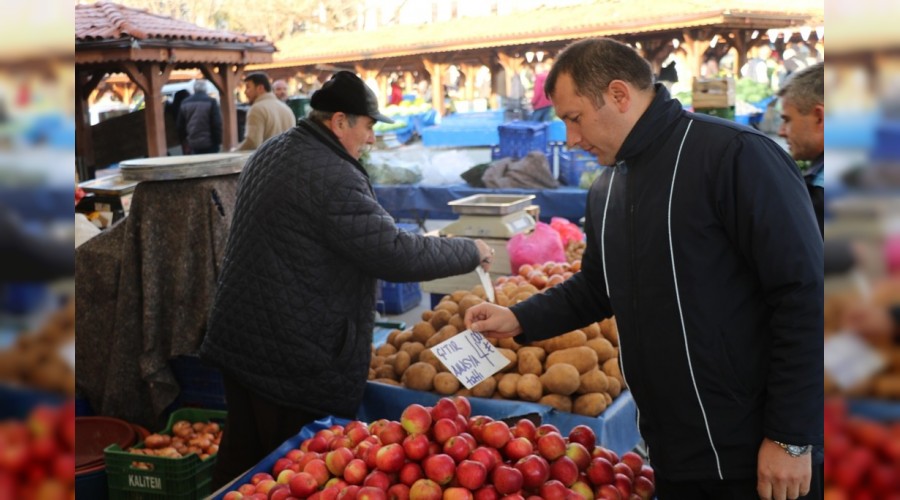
491	204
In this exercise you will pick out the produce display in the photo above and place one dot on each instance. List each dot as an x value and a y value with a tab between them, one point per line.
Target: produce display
862	457
37	359
37	456
575	251
443	452
577	372
201	438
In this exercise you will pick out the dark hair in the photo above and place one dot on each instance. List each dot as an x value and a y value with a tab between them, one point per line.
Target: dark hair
259	79
805	89
594	62
323	116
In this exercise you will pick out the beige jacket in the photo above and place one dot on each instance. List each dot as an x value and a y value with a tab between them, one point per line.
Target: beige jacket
267	118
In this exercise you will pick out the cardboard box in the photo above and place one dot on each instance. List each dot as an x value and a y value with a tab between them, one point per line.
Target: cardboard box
714	93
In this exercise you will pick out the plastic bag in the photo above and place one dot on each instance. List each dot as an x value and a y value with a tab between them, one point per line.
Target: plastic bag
567	230
542	245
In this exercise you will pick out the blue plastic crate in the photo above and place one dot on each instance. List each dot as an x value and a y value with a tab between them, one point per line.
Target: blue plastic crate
23	298
573	163
201	386
556	131
461	134
397	298
519	138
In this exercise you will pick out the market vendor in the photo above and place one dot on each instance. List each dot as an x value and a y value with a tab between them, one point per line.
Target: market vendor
291	325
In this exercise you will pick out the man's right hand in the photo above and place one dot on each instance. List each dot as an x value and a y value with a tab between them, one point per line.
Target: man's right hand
492	321
486	253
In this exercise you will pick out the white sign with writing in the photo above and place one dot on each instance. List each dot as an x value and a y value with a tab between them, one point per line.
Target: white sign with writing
470	357
850	361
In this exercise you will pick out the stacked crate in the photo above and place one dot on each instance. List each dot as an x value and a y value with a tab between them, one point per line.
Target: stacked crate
714	97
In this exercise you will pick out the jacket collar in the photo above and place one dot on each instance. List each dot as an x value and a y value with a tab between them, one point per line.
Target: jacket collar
651	126
816	166
266	96
330	140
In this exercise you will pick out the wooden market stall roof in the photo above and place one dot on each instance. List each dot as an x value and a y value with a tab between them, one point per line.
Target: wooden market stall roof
111	38
600	18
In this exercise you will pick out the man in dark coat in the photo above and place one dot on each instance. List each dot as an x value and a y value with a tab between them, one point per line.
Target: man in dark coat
702	241
200	121
291	324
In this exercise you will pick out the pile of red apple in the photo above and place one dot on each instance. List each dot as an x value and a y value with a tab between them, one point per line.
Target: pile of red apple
37	455
443	452
546	275
862	457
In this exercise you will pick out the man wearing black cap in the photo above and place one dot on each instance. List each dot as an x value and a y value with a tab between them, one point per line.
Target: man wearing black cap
291	324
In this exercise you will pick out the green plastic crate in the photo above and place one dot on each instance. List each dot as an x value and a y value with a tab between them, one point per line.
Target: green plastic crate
185	478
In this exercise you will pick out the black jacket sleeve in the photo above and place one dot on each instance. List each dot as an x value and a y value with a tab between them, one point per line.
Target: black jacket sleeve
767	213
215	123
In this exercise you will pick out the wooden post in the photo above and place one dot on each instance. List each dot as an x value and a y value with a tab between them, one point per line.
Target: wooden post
436	70
226	77
85	83
470	71
150	77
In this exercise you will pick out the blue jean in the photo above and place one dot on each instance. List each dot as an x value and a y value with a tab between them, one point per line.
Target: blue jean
541	114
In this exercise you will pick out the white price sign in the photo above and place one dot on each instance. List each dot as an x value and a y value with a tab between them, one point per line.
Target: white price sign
470	357
850	361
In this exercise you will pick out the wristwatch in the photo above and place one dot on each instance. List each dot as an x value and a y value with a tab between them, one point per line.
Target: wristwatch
793	449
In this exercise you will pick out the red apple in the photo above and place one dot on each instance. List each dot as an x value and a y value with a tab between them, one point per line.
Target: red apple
535	471
231	495
392	432
606	453
390	458
585	436
487	493
564	470
294	455
337	460
416	419
553	490
265	486
518	448
247	489
647	472
285	476
341	442
608	492
378	479
439	468
444	429
458	448
280	465
634	461
545	429
260	477
371	493
410	473
303	484
398	492
279	492
600	472
370	455
357	434
356	471
645	489
461	423
551	446
425	489
444	408
496	434
476	426
463	406
330	493
525	428
579	454
319	471
624	469
470	439
623	484
485	456
471	474
582	488
457	493
507	479
348	492
415	446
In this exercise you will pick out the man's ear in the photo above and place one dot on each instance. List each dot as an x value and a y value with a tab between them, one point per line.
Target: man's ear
620	94
819	114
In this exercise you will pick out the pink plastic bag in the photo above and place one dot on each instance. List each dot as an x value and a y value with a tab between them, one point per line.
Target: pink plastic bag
542	245
567	230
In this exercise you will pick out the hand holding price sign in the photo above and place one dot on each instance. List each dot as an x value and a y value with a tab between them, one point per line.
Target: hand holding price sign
470	357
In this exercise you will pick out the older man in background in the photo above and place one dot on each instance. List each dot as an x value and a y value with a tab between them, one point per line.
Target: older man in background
268	116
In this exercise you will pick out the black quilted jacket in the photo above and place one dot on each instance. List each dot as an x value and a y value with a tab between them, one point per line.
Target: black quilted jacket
294	310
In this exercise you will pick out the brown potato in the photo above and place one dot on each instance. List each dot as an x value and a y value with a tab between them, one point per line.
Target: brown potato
440	319
511	356
419	376
529	363
561	378
485	388
445	383
529	387
413	348
590	405
507	385
574	338
558	401
593	381
584	358
401	362
603	348
385	350
538	352
423	331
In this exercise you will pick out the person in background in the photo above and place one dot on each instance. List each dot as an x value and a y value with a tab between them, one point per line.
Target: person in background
172	109
200	122
396	93
291	324
702	242
803	127
268	116
540	103
280	89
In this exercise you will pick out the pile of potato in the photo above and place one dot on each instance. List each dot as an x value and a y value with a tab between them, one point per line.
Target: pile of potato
577	372
201	438
575	250
37	360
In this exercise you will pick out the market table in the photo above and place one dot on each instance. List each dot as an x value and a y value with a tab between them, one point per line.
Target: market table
421	201
144	289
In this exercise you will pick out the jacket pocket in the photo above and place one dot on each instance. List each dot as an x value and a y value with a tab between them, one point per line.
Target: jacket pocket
736	387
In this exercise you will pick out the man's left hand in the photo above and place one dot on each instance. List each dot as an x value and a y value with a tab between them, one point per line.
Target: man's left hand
780	476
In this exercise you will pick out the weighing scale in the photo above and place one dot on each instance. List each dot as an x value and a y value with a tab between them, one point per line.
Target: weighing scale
493	218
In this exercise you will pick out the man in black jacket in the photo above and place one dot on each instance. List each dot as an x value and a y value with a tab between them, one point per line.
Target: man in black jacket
702	241
803	126
291	324
200	122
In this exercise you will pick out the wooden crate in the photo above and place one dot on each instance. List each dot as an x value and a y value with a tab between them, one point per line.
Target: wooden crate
714	93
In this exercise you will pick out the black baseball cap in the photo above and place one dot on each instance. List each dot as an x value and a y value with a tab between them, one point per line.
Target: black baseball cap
347	93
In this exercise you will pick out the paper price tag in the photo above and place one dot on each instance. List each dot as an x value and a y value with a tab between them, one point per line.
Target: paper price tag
470	357
850	361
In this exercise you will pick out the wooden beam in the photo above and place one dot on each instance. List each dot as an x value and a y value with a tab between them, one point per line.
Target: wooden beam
226	78
84	142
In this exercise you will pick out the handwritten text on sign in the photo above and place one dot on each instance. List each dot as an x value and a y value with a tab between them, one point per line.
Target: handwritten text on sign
470	357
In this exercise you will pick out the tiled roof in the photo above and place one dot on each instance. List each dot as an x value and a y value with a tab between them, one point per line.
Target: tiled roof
110	21
599	18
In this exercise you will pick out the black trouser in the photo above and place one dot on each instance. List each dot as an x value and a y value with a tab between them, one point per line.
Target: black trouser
254	427
201	151
736	489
